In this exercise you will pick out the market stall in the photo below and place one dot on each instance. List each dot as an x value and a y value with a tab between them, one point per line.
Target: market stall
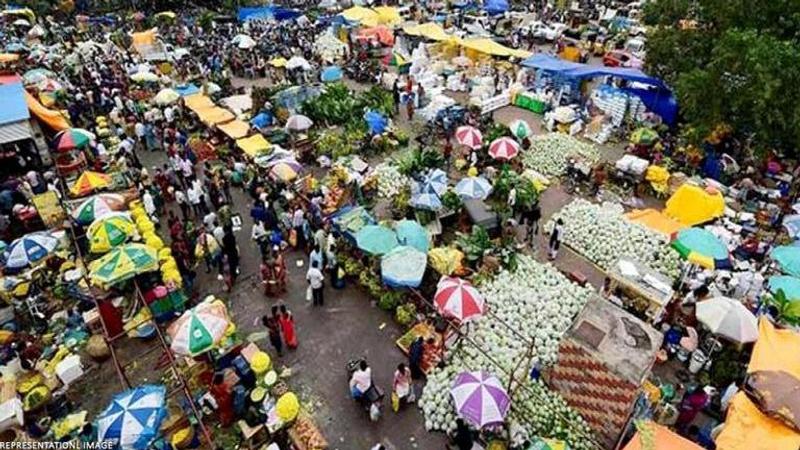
641	289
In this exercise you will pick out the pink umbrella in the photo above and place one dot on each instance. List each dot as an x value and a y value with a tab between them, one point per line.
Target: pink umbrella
458	299
480	398
469	136
504	148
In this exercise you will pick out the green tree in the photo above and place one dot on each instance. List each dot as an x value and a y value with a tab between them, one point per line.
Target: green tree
731	61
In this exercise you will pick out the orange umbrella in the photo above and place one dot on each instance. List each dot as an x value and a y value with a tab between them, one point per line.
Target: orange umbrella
88	182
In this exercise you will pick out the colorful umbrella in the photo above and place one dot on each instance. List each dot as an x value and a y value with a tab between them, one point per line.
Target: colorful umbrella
411	233
376	239
728	318
470	137
298	122
700	246
458	299
396	59
540	443
110	231
88	182
133	419
788	258
520	129
200	329
644	136
473	188
426	200
49	85
285	169
480	398
403	267
28	250
789	285
166	96
36	76
503	148
98	206
435	181
72	139
123	263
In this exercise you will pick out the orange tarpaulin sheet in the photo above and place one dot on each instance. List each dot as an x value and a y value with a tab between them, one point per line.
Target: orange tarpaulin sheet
655	220
51	118
663	439
746	428
379	33
772	348
214	115
197	102
143	38
235	129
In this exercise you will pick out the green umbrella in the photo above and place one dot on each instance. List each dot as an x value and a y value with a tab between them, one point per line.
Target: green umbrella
520	129
644	136
376	239
123	263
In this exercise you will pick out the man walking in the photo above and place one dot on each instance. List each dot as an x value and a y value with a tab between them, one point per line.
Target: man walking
315	280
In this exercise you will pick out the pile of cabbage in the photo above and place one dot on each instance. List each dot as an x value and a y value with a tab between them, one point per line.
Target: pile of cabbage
533	305
390	181
549	153
602	234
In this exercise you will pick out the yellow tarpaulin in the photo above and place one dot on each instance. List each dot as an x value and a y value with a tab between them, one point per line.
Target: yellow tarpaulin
144	38
655	220
214	115
235	129
364	16
388	15
197	102
253	145
771	349
428	30
8	57
662	438
51	118
278	62
747	428
491	47
692	205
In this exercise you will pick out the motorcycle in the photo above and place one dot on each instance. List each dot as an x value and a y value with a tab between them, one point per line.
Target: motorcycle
372	399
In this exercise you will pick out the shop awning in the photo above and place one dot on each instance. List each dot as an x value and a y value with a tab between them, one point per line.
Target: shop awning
388	15
197	102
747	428
490	47
14	108
235	129
693	205
253	145
143	38
577	70
214	115
771	348
662	438
364	16
428	30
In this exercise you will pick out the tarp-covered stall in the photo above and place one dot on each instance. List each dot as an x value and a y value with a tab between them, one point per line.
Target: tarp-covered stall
692	205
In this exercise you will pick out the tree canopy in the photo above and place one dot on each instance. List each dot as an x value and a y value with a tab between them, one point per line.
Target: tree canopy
734	62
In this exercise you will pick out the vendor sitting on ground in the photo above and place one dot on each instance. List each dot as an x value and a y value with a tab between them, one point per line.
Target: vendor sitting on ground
361	380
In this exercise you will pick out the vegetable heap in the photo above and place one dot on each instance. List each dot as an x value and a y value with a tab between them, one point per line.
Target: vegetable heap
390	181
549	153
531	309
602	234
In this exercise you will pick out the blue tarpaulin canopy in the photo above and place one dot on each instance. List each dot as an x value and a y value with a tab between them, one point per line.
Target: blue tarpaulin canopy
261	120
187	89
14	108
494	7
331	73
376	122
266	12
403	267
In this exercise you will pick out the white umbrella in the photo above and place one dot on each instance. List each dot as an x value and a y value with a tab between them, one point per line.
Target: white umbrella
298	122
728	318
166	96
243	41
296	62
212	88
21	23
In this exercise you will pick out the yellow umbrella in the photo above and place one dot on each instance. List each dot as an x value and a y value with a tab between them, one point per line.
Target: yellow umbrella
365	16
388	15
278	62
88	182
109	231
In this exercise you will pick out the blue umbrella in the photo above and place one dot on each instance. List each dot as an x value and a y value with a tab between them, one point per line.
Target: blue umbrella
789	285
792	225
15	47
261	120
426	200
788	258
331	73
435	181
403	267
133	418
376	239
410	233
29	249
376	122
473	188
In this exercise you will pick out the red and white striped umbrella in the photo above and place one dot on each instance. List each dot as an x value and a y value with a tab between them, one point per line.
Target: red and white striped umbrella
470	137
458	299
504	148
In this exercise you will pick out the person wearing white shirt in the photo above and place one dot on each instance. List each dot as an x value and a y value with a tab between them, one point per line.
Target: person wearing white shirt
361	380
169	114
195	195
315	280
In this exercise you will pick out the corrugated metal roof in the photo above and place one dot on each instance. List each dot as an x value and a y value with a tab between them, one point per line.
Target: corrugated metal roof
15	131
14	108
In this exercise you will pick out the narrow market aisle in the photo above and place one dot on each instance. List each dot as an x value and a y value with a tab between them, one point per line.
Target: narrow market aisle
348	326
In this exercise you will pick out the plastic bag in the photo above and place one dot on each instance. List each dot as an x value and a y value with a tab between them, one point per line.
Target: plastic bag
395	402
309	294
374	412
